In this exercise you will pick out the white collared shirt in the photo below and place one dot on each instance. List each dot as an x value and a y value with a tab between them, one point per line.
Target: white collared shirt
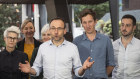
127	60
57	62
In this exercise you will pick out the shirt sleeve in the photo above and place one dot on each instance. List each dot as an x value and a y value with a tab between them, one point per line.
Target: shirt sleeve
76	62
110	53
38	63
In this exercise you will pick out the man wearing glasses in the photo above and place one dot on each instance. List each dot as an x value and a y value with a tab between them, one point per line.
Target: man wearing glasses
10	57
57	57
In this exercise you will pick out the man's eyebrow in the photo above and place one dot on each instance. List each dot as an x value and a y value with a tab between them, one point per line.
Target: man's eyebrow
52	26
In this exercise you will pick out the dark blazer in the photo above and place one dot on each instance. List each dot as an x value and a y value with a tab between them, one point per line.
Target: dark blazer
20	44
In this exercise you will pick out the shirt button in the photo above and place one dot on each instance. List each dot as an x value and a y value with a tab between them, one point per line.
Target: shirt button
90	74
91	50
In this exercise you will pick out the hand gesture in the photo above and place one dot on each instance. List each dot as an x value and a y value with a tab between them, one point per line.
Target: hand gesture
87	64
26	68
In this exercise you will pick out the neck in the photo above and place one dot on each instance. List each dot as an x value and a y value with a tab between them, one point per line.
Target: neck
126	40
9	49
91	36
29	40
57	43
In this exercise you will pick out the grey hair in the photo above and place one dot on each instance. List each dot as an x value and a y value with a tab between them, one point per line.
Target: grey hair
45	28
13	29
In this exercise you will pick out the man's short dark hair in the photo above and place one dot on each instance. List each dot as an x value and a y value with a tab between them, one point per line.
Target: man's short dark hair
85	12
58	18
130	17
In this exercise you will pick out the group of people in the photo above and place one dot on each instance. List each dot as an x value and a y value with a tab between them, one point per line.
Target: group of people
90	56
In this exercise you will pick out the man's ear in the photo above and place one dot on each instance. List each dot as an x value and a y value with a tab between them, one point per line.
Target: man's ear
65	31
96	21
134	28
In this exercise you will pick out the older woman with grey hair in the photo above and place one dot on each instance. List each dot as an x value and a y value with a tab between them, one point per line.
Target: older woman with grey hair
10	57
45	34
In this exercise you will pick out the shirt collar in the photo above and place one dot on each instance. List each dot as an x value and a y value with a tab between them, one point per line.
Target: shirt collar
131	42
96	37
8	53
64	42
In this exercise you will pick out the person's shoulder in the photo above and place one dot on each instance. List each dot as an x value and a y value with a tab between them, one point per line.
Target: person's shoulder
78	38
21	53
37	42
1	52
45	44
20	42
116	43
70	44
103	36
136	41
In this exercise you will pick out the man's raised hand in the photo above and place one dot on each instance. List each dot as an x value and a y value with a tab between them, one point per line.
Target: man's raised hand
87	64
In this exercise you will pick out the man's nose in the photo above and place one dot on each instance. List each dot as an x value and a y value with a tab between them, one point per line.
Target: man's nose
56	31
124	27
87	24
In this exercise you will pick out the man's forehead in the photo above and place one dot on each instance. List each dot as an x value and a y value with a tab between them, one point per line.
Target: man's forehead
58	20
57	23
128	20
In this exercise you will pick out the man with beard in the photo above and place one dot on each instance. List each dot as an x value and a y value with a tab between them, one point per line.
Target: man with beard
127	51
57	57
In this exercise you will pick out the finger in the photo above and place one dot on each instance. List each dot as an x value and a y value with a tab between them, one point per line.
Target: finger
88	58
92	62
20	64
19	68
26	62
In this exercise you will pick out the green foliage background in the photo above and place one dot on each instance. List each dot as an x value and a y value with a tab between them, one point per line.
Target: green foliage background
9	15
100	10
107	28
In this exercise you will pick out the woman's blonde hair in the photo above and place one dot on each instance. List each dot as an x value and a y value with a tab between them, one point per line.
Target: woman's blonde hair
25	22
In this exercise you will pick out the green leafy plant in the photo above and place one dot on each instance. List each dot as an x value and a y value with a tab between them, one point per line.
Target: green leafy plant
9	15
100	10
